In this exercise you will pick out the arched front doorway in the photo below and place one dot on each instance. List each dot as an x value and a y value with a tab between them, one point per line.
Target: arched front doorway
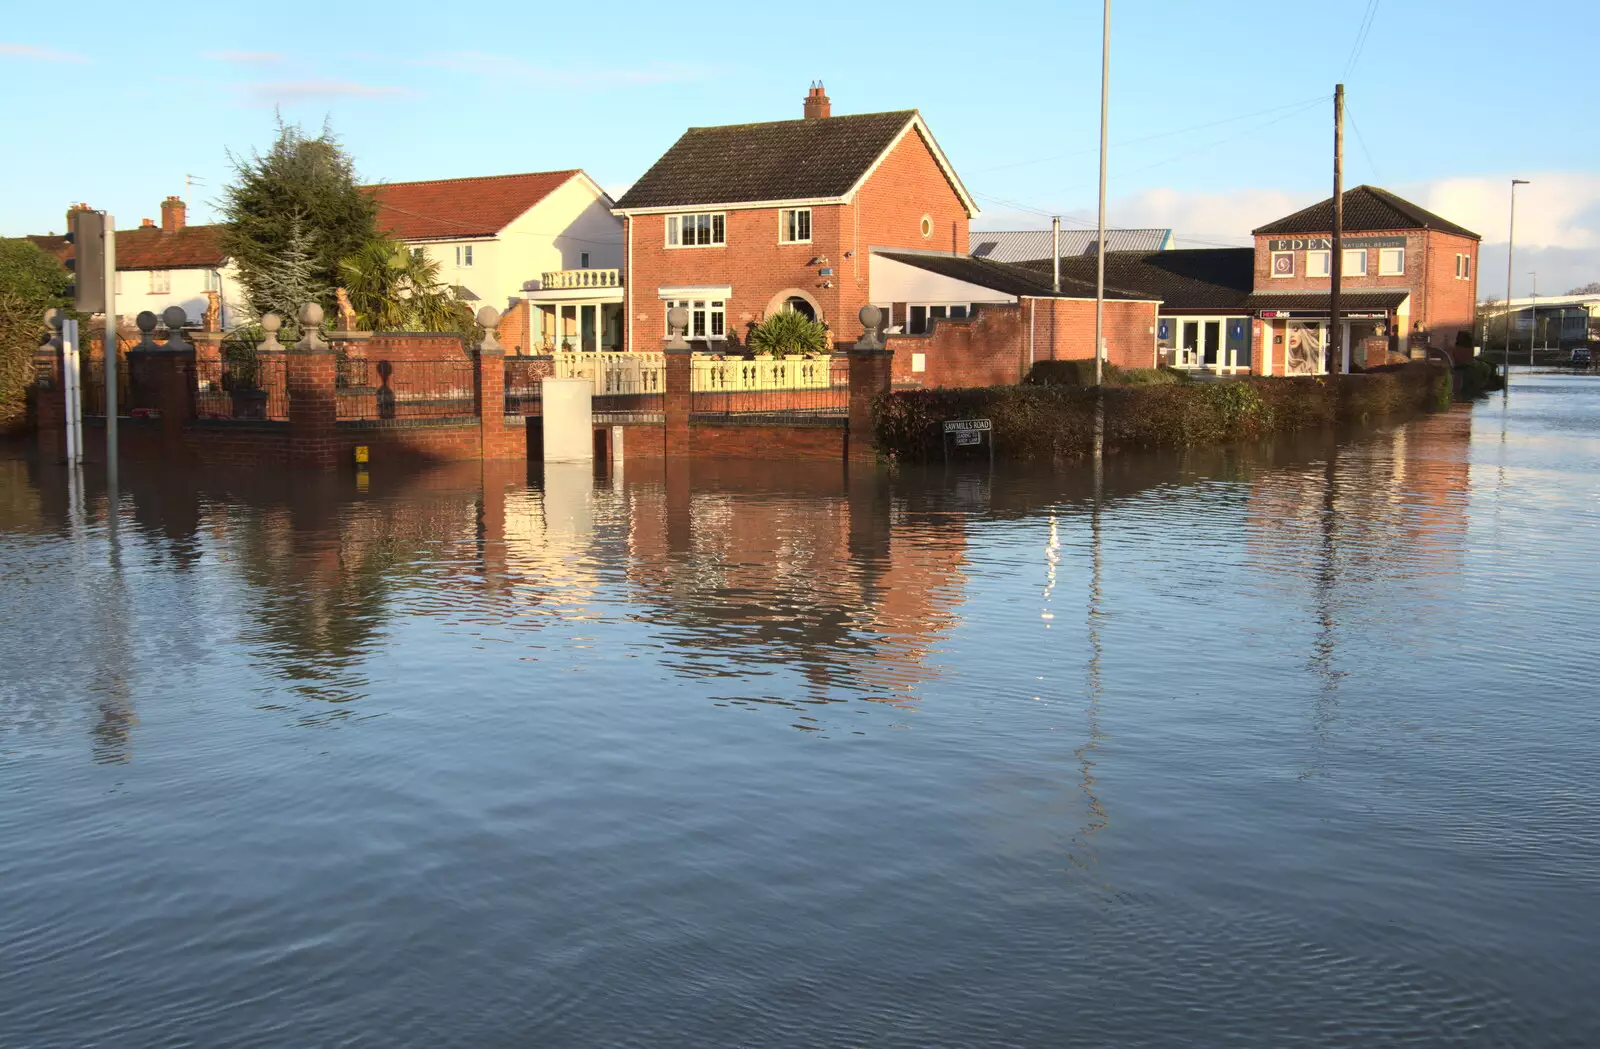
794	300
795	304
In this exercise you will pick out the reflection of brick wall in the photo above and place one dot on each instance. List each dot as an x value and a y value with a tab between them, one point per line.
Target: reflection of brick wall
741	441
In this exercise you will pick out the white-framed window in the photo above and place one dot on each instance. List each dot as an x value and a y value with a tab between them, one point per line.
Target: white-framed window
794	225
1318	263
213	280
1391	262
1283	264
927	226
1463	267
583	260
463	255
419	253
160	282
920	317
697	230
708	318
1355	262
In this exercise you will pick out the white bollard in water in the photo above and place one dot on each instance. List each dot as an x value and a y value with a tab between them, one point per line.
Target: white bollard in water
568	420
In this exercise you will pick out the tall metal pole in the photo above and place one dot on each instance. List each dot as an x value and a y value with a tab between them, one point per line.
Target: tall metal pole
1100	246
1336	255
1055	254
1533	314
1511	246
109	346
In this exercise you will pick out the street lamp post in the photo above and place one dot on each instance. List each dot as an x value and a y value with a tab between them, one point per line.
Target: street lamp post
1533	314
1511	243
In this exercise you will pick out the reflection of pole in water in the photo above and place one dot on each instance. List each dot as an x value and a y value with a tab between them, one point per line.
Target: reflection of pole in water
1085	754
112	655
1325	587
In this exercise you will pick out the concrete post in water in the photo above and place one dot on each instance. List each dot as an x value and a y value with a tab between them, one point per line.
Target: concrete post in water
313	403
49	392
871	373
678	371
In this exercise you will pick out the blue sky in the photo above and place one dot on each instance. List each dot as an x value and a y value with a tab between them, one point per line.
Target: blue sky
1220	111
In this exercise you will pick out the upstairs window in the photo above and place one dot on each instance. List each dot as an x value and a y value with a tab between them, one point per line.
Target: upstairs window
702	229
213	280
419	253
1463	267
160	282
1318	263
583	260
463	254
794	225
1391	262
1355	262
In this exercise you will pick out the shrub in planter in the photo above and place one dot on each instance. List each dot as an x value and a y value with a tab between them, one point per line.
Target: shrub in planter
786	333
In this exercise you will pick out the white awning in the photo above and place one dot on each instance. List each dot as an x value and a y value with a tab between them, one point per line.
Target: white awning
701	291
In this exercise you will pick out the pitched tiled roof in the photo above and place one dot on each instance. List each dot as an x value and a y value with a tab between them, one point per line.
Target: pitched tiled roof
460	207
1006	278
1367	209
780	160
150	248
1318	300
1028	244
1201	279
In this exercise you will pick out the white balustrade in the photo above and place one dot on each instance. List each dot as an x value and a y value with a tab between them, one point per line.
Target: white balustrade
580	279
642	372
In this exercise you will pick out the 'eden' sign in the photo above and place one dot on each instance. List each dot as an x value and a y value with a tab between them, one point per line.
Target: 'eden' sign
1326	243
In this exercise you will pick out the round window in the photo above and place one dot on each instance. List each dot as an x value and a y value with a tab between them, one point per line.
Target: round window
927	226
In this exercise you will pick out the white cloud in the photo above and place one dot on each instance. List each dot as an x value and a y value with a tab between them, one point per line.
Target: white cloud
309	90
503	67
42	54
252	58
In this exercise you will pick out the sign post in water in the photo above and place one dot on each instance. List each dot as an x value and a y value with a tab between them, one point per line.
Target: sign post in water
968	433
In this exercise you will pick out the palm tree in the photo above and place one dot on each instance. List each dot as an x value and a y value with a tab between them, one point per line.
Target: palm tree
393	289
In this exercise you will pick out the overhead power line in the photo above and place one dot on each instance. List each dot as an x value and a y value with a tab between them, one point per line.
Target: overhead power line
1362	32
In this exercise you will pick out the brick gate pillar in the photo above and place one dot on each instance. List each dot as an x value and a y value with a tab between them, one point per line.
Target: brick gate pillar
161	378
678	375
871	365
495	439
313	405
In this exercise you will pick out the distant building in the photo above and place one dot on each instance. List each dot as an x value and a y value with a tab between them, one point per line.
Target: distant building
1563	320
1028	245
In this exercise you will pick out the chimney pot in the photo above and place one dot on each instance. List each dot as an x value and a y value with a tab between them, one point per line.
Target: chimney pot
147	223
174	214
818	106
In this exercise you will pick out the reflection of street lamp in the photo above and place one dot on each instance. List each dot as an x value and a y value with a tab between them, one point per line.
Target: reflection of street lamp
1511	243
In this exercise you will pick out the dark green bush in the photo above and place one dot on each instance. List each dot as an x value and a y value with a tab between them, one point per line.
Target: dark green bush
1070	373
1478	377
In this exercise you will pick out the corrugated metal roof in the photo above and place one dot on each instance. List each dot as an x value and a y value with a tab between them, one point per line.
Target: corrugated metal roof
1027	245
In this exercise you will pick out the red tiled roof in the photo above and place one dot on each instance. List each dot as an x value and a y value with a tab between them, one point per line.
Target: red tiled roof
460	207
148	248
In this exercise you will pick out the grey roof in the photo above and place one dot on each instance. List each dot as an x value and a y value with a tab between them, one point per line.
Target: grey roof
1006	278
1202	280
1367	209
1025	245
779	160
1318	300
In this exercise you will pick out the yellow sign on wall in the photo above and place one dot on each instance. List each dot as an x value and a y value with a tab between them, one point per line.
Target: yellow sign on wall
361	453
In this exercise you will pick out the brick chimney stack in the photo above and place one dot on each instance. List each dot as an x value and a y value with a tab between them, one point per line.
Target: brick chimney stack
818	105
174	214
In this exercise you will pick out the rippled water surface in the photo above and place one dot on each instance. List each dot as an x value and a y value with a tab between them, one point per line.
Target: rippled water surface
1296	745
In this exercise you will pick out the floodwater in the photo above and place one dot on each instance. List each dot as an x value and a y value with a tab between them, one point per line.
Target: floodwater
1289	746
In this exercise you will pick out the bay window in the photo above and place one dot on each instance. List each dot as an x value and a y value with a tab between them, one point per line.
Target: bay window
707	317
701	229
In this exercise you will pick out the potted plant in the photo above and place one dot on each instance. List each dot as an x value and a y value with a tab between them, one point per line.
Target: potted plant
789	334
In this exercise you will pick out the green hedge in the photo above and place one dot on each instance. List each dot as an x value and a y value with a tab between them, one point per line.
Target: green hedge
1057	421
1081	373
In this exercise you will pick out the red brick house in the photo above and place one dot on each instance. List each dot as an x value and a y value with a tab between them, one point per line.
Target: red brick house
1410	278
741	221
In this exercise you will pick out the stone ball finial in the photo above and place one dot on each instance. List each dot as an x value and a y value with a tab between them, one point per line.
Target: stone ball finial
871	318
488	317
271	323
174	317
310	315
146	321
677	320
55	319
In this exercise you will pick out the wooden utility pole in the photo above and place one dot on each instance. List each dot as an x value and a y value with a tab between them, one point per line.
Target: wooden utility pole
1334	350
